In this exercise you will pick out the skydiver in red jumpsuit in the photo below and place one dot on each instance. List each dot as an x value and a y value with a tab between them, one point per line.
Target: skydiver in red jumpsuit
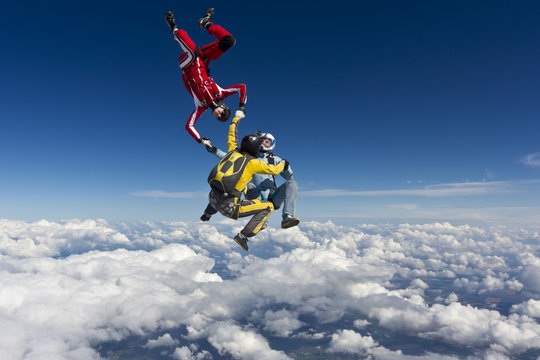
194	62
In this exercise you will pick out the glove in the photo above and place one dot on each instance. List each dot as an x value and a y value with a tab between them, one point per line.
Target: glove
286	165
240	113
205	141
211	148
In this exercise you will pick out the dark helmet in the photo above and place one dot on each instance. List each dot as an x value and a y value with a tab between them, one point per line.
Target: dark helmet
250	144
226	114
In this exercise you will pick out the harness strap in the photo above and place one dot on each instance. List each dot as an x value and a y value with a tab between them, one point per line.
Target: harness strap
271	161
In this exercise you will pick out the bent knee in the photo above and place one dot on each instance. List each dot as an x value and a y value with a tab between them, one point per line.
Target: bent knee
226	42
292	183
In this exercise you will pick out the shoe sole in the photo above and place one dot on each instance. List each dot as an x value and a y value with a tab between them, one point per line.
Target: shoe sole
290	224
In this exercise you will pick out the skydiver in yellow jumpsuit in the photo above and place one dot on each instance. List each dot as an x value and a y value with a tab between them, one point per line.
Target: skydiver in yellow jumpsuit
229	179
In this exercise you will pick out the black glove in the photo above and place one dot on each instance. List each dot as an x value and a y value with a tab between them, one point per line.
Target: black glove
286	164
242	109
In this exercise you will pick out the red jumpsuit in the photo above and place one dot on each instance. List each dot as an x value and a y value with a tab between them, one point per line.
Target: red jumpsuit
194	62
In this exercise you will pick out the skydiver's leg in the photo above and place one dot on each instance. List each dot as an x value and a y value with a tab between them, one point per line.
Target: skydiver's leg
208	212
187	45
260	209
224	42
286	194
227	206
210	209
184	40
252	192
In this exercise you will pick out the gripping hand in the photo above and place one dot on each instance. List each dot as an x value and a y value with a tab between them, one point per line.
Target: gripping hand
208	144
211	148
240	113
286	164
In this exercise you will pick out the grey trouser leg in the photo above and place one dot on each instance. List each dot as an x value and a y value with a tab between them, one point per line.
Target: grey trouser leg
260	209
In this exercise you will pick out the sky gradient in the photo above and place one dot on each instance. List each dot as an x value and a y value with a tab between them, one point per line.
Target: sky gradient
387	111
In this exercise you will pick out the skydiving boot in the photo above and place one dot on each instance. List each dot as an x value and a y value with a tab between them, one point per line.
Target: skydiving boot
169	18
206	21
205	217
289	221
241	240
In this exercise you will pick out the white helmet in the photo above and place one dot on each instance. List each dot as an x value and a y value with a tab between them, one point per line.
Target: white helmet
272	146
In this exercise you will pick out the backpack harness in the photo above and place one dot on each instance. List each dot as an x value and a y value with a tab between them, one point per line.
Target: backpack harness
226	174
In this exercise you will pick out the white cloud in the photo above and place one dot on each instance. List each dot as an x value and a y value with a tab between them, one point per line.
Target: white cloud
351	342
438	190
418	283
95	297
490	283
467	188
44	238
530	277
67	287
532	159
530	308
479	188
404	206
451	298
514	285
281	323
170	195
242	344
183	353
190	353
360	324
164	340
311	335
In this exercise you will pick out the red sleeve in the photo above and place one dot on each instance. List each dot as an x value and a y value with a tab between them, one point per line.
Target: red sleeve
240	89
190	125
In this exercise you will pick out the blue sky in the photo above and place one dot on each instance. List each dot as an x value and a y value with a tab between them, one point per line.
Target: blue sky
406	111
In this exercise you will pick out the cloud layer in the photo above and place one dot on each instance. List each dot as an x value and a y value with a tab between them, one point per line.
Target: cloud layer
69	290
478	188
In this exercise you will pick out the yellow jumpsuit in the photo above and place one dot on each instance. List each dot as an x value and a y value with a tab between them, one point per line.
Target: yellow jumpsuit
233	206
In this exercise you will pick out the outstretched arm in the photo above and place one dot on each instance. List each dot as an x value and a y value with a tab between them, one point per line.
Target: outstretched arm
257	166
287	174
240	89
190	125
212	149
232	136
